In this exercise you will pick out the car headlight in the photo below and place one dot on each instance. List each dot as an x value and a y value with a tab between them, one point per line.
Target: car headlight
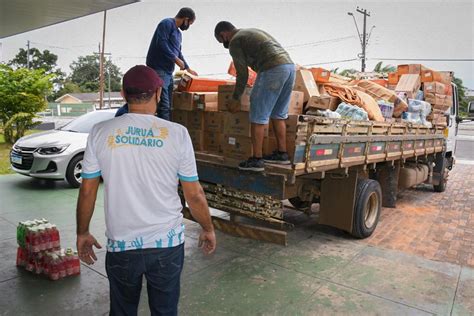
52	150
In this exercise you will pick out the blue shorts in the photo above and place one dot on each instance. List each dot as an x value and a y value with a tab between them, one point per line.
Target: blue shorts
271	94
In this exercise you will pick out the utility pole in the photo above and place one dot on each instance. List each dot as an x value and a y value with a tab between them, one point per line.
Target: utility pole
28	54
363	38
101	65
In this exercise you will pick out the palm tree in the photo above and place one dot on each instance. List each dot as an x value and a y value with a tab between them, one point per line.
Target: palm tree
385	69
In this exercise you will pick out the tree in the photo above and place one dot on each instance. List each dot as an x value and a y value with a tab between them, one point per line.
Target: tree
85	74
463	100
22	94
46	60
384	69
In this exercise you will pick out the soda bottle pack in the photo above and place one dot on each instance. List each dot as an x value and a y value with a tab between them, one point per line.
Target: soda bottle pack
39	250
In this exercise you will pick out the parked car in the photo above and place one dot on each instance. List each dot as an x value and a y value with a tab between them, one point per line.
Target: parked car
57	154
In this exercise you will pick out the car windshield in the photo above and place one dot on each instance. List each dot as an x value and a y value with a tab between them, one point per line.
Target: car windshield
84	123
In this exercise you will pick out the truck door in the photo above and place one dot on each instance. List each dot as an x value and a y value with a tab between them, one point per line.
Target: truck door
452	129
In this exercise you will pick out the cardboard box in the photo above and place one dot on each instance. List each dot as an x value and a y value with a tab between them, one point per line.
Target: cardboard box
447	75
409	84
320	75
305	83
296	103
225	96
190	83
434	87
206	101
393	78
323	102
431	75
180	117
392	87
237	147
213	142
381	82
238	124
439	101
214	122
197	137
183	101
410	69
252	74
207	107
195	120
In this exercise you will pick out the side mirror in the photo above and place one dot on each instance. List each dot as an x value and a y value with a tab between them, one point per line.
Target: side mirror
470	108
458	119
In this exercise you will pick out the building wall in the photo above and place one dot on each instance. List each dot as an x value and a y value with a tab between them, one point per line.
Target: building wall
70	100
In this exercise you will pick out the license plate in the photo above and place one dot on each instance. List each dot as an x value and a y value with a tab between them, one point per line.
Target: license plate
16	159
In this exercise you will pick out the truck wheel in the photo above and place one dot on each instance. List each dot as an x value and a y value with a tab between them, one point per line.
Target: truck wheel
73	171
368	206
441	187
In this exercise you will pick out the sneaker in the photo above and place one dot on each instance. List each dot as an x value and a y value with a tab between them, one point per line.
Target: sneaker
252	164
277	157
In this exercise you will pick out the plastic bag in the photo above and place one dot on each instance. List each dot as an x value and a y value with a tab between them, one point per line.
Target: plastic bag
386	108
352	112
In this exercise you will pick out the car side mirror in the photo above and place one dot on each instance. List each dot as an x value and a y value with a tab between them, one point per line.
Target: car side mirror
458	119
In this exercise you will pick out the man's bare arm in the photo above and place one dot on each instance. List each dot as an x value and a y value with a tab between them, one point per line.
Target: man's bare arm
84	211
194	195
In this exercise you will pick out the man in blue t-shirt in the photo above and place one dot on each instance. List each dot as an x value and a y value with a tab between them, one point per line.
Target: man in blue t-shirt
164	53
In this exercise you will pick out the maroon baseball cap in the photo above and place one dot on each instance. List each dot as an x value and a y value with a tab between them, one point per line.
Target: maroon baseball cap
141	79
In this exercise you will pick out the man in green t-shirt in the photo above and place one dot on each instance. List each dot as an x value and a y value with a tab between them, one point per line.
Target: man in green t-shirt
271	93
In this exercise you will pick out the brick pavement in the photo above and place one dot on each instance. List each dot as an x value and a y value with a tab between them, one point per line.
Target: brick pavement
437	226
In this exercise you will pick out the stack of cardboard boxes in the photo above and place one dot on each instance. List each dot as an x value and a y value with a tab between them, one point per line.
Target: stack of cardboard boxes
215	130
436	87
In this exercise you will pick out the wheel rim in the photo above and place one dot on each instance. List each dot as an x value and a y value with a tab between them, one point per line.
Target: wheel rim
371	210
78	171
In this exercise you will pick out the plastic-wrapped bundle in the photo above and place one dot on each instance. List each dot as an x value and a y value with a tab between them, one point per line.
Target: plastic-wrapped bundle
422	107
386	108
412	117
420	95
325	113
352	112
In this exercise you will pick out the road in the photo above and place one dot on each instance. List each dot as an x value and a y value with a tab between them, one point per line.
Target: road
465	143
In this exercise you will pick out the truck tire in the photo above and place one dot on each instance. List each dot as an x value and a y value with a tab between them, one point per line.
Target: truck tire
441	187
367	208
73	171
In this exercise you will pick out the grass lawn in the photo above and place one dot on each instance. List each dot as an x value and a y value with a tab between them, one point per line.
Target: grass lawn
5	153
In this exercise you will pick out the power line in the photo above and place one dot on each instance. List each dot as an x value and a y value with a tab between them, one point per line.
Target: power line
425	59
331	62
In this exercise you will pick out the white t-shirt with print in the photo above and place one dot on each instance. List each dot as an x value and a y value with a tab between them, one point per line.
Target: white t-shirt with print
141	159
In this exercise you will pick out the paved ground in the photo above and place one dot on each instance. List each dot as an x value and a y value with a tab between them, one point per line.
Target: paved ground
321	271
433	225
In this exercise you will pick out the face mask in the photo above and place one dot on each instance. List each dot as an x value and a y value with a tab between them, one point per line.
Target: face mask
184	27
226	44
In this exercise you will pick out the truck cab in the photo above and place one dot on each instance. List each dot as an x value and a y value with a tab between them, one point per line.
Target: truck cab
451	131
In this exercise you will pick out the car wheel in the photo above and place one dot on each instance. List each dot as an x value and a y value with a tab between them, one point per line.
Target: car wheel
74	170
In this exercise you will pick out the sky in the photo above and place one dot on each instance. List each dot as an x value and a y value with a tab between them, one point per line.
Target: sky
314	32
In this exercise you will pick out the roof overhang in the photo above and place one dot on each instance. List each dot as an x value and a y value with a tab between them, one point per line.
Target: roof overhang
19	16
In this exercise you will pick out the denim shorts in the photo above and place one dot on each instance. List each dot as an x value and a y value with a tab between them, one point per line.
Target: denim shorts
271	94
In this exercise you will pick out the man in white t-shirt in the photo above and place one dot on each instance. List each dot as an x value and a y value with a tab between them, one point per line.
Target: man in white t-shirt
141	159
